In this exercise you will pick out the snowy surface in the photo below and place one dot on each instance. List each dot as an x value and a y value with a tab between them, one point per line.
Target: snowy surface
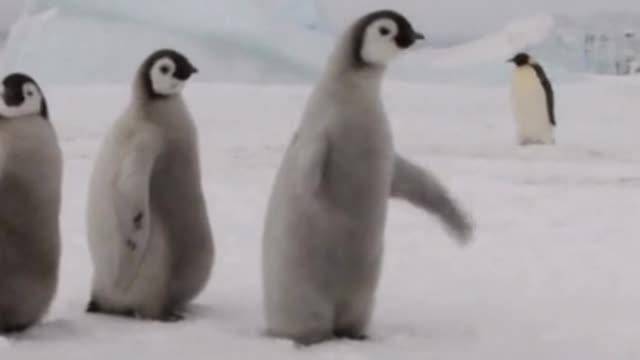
286	41
552	274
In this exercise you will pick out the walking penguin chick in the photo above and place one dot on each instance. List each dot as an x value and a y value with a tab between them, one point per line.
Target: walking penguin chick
323	234
30	189
532	101
148	228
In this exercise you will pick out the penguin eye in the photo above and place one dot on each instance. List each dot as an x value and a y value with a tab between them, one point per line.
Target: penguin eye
164	69
384	31
29	93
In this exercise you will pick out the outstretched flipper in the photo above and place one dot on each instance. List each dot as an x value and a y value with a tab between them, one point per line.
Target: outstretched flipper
422	189
132	209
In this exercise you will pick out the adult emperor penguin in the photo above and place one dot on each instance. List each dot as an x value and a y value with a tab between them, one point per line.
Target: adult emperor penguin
30	192
323	234
532	101
148	228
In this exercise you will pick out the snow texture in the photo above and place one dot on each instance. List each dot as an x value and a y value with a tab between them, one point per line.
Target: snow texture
286	41
552	274
241	41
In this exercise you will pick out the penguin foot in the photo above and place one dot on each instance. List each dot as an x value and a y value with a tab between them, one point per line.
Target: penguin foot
350	335
13	329
309	339
172	317
130	313
93	307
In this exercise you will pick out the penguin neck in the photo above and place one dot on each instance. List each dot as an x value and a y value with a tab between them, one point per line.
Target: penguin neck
156	108
142	96
343	69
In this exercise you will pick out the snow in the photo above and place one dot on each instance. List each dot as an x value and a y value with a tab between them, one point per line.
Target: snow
285	41
280	41
552	274
240	42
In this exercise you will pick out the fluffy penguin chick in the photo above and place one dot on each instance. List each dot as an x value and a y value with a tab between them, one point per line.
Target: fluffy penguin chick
323	234
30	189
532	102
147	222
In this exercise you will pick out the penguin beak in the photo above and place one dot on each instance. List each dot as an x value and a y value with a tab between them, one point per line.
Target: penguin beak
418	36
511	60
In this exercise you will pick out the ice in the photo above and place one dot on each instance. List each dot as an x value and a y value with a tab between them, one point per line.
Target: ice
606	43
307	13
552	273
248	40
288	41
106	41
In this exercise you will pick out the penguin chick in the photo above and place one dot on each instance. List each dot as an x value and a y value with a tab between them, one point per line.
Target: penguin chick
148	228
323	233
30	189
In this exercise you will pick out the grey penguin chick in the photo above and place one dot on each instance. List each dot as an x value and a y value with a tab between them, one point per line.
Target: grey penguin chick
148	228
323	232
30	189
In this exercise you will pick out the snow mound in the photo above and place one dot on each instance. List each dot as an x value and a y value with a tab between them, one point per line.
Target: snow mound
496	48
287	41
275	42
106	41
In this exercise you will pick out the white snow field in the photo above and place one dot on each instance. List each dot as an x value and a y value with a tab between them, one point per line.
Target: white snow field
552	274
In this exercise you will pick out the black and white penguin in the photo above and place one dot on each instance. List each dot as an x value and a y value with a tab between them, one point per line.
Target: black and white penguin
532	102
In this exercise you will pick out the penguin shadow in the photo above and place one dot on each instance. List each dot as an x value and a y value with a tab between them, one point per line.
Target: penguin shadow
204	312
336	342
436	335
204	315
48	331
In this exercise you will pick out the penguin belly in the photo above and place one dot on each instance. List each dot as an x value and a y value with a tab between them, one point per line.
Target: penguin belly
323	251
147	295
533	125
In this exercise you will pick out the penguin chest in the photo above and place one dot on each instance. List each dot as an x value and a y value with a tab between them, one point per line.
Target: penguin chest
529	103
360	166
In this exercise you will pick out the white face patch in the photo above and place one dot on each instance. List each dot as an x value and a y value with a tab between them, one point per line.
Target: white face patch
379	46
31	105
162	80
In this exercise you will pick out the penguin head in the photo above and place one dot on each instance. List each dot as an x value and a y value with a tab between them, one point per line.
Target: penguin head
21	96
380	36
521	59
166	72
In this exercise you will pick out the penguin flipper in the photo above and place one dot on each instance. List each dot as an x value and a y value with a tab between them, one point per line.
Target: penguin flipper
133	211
421	188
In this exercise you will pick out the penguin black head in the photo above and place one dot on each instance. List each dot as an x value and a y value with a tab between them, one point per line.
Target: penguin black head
380	36
165	73
21	96
521	59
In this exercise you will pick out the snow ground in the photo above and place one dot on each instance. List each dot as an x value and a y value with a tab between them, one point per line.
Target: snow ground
552	274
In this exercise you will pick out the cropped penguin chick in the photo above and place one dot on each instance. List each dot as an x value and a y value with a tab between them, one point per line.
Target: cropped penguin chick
532	102
323	233
30	189
148	228
22	97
